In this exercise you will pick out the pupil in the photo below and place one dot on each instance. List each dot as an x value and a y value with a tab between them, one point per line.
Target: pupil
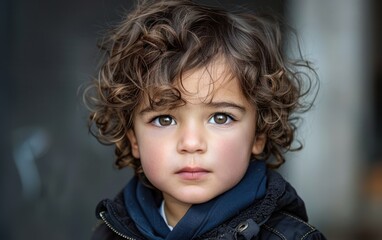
165	121
220	118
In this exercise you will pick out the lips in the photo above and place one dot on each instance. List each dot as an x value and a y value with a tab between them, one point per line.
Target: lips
192	173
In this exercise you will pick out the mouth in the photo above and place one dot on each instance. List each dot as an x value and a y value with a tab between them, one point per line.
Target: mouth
192	173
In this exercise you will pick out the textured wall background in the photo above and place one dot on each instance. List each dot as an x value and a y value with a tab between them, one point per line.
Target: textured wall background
53	172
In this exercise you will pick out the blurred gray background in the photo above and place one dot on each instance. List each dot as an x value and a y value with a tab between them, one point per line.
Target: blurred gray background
53	172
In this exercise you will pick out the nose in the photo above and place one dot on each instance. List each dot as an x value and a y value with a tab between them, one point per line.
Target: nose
191	139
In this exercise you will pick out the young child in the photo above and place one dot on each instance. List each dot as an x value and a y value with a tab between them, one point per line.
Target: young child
198	101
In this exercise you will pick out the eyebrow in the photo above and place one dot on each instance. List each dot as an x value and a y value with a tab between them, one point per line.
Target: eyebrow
210	105
225	105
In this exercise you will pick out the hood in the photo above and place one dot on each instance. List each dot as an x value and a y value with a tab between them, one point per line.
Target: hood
281	196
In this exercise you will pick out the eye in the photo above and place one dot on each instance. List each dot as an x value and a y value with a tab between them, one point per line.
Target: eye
221	118
163	121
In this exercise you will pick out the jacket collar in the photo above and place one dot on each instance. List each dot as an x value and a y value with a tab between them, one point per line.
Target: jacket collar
280	195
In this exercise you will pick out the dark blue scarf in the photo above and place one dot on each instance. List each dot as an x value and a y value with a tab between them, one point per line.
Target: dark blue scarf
143	203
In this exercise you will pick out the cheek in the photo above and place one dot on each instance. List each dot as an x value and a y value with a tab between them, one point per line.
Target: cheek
233	158
227	149
232	161
153	159
236	146
150	156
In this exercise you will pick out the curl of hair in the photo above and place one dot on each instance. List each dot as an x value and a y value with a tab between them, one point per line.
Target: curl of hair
149	50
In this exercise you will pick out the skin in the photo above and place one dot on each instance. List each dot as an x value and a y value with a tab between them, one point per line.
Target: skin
198	151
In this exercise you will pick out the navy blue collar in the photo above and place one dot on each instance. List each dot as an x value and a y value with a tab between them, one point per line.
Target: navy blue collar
142	203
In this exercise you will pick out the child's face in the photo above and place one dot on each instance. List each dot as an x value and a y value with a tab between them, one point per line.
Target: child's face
195	152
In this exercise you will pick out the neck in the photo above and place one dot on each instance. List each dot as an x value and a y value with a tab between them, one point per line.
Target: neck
174	210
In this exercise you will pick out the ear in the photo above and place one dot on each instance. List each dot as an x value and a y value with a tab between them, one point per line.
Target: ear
259	144
133	142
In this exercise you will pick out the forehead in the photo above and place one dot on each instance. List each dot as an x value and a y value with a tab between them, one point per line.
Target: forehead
213	82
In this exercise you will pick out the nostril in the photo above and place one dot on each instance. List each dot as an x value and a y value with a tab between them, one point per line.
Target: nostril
192	147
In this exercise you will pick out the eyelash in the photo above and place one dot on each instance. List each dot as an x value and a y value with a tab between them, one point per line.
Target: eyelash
229	120
156	120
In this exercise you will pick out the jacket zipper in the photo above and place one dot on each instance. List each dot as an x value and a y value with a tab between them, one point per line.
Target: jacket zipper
112	228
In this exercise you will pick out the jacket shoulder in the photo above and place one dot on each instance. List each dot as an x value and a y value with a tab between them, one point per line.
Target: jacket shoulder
285	226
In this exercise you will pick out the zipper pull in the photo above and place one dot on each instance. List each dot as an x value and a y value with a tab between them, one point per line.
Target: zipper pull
248	229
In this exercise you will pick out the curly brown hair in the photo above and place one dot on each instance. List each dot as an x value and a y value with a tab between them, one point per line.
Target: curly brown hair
160	40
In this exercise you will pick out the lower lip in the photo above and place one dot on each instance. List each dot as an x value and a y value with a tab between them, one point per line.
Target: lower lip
193	175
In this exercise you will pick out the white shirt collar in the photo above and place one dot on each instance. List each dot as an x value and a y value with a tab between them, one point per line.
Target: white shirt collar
163	214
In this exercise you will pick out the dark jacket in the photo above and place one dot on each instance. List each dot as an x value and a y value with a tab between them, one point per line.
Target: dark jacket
280	214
